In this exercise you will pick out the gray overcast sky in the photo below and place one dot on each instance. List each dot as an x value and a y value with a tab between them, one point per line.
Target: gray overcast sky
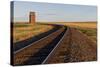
54	12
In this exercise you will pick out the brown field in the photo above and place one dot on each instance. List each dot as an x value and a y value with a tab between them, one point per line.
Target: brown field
23	31
78	44
81	24
88	28
78	24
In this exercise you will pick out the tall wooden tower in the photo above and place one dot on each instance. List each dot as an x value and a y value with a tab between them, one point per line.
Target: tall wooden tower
32	18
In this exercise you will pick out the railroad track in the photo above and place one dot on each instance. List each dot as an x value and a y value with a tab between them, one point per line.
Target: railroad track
61	46
60	53
74	47
38	52
20	44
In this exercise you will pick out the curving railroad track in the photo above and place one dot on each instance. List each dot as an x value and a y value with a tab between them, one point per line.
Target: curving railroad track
62	45
38	51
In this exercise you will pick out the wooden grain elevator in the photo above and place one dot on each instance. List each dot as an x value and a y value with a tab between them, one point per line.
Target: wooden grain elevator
32	18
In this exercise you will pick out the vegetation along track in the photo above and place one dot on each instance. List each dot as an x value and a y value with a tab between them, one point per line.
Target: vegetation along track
62	46
20	44
74	47
37	52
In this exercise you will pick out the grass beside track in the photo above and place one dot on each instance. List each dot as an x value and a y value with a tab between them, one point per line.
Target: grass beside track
23	31
88	28
92	33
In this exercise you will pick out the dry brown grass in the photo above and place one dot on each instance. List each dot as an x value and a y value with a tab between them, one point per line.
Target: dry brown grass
78	24
82	24
23	31
88	28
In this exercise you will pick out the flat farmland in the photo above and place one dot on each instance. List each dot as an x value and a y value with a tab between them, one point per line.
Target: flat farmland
81	24
88	28
69	42
22	31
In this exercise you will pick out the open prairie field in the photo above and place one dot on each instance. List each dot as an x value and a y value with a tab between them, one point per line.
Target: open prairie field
77	24
82	24
88	28
23	31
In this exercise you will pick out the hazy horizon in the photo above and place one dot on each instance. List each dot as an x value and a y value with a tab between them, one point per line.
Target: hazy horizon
50	12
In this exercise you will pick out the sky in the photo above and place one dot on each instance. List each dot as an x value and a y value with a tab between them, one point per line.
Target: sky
53	12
